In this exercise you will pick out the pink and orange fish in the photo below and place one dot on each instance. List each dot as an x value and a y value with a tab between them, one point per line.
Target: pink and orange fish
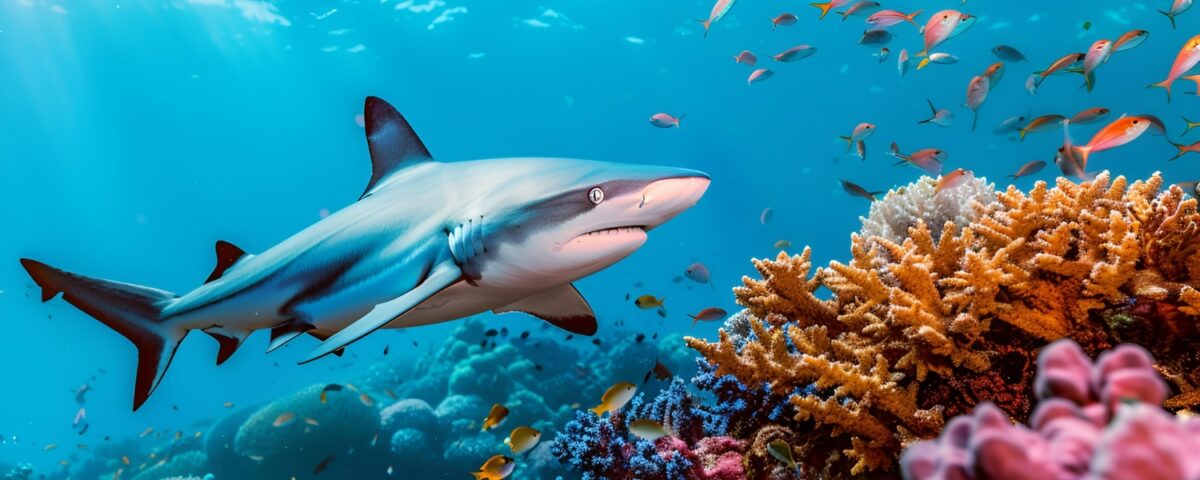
1187	58
719	10
1120	132
943	26
977	92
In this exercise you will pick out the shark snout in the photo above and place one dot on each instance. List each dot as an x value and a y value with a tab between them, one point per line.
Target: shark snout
663	199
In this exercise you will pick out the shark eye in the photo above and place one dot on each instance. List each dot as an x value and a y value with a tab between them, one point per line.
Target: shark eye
596	195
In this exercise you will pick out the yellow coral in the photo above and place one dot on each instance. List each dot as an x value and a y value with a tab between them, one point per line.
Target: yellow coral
915	323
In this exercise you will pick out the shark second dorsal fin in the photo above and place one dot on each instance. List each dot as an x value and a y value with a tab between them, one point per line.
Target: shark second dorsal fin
391	139
227	255
562	306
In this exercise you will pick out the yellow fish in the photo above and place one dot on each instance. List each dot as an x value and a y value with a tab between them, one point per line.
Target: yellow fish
648	429
494	417
498	467
522	439
647	302
615	398
783	452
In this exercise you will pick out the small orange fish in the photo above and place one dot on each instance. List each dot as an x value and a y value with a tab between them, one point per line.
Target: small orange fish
977	92
228	404
125	459
1090	115
311	422
746	58
953	179
284	419
1183	149
783	19
929	160
366	400
146	432
1042	124
50	447
1120	132
1028	169
1130	40
993	73
708	315
1060	65
494	417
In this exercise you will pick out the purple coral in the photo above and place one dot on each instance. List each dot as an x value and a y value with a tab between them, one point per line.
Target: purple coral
1097	421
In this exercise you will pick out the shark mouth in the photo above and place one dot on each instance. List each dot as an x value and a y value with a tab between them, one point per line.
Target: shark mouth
615	231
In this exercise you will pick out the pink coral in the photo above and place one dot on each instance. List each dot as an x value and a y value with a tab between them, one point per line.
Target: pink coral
1097	421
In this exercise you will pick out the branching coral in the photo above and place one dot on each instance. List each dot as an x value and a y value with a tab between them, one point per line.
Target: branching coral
1092	421
930	324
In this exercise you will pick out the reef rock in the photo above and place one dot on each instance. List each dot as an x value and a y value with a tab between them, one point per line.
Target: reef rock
342	422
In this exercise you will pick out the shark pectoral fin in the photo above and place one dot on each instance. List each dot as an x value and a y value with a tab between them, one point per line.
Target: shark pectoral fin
562	306
391	140
282	334
440	276
227	255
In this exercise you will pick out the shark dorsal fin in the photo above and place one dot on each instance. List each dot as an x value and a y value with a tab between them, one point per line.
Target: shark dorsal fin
392	142
227	255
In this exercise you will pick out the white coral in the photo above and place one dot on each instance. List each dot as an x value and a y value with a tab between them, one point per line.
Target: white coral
902	207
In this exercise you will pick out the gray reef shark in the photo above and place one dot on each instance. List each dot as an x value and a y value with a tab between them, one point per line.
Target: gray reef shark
427	242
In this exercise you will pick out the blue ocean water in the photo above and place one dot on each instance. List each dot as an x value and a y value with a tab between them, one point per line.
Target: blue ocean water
135	134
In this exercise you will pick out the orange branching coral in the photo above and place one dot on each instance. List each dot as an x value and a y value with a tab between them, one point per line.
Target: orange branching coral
929	327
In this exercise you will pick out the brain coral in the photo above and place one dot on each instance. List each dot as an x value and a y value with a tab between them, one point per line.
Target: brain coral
342	422
923	327
918	202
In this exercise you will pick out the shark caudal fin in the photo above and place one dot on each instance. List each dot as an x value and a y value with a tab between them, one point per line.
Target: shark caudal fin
133	311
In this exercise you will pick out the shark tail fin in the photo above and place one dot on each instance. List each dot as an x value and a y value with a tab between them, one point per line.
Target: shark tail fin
133	311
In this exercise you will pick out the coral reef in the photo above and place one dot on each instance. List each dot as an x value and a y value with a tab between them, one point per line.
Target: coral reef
923	326
602	447
1092	421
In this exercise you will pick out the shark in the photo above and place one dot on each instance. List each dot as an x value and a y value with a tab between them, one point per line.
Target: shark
428	241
